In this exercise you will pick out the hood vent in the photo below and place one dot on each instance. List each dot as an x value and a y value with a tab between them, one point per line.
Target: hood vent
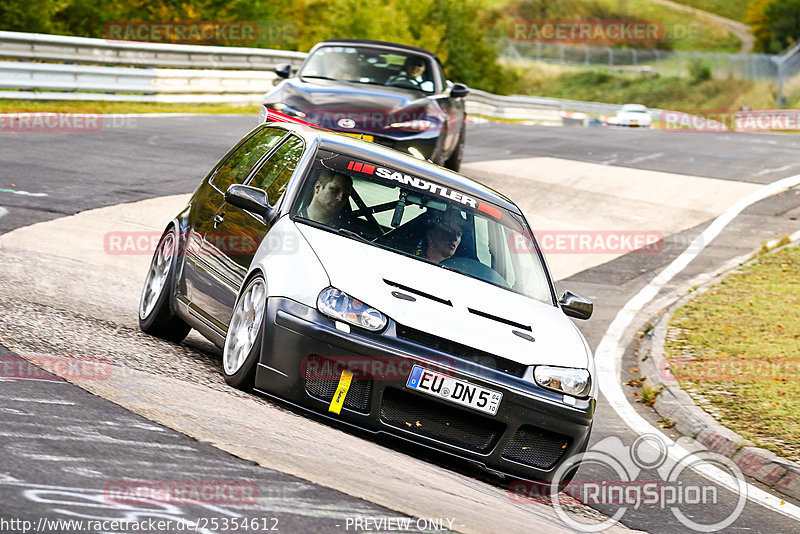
500	320
419	293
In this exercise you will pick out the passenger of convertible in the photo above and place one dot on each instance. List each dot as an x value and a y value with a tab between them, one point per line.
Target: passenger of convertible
331	195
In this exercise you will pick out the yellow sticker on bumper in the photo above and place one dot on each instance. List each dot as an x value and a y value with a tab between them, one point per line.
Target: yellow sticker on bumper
341	392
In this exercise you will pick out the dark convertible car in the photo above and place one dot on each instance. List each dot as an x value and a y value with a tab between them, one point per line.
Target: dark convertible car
391	94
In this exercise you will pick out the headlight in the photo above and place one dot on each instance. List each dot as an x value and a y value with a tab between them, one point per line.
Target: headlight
414	125
287	110
575	382
340	305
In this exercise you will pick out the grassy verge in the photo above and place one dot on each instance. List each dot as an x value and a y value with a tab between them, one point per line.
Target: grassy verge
736	350
684	32
57	106
651	89
681	31
730	9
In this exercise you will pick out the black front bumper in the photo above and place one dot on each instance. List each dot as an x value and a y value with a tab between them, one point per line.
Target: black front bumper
532	432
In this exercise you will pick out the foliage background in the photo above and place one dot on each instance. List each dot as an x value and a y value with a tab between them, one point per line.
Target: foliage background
453	29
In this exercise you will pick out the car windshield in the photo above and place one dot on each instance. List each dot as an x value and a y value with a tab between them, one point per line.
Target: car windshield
371	66
422	219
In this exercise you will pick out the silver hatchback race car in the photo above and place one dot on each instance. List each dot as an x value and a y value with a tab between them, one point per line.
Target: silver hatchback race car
382	291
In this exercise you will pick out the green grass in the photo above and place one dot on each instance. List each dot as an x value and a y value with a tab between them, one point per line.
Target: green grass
12	106
651	89
736	350
681	30
730	9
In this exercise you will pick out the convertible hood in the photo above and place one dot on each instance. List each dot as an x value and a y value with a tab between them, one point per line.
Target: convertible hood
372	107
474	317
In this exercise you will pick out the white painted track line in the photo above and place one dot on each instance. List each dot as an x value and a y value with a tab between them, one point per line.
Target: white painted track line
608	355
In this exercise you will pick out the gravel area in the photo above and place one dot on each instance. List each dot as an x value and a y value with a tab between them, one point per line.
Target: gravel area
29	328
45	321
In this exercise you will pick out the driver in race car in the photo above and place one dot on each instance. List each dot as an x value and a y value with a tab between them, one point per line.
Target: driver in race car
330	195
413	68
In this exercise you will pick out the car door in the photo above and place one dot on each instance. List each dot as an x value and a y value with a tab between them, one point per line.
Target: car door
238	233
200	280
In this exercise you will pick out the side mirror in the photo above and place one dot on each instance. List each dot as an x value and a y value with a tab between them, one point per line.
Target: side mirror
284	70
576	305
251	199
459	90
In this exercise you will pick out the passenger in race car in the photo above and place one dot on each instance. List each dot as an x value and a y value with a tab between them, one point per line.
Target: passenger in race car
443	237
330	195
411	76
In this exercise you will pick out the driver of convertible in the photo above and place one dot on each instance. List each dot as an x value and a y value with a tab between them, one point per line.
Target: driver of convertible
443	236
413	68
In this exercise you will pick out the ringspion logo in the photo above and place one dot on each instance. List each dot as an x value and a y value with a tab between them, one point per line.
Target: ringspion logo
650	474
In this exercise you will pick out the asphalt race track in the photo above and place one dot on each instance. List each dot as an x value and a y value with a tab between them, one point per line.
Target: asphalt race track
63	293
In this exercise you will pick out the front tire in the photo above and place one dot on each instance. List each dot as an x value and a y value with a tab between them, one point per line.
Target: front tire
243	341
454	161
155	310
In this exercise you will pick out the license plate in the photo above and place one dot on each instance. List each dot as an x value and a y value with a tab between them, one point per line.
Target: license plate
358	136
454	390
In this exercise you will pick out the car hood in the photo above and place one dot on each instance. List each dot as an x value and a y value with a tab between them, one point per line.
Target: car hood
372	107
362	271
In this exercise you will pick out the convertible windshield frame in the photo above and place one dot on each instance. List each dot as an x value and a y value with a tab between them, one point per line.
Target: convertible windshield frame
364	64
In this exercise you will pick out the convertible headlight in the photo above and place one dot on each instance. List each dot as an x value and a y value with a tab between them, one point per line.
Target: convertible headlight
340	305
287	109
575	382
414	125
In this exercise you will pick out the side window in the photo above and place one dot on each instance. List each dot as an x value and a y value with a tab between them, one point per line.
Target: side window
275	173
236	168
482	241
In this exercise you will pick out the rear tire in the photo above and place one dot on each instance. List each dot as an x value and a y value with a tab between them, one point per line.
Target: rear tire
454	161
245	333
155	309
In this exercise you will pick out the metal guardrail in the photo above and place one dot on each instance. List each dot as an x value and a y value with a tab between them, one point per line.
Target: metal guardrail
512	107
194	73
63	48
